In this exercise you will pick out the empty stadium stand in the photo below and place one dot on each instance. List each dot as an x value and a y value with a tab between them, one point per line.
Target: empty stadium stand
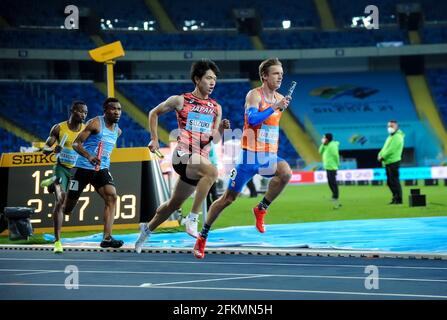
36	106
10	142
437	79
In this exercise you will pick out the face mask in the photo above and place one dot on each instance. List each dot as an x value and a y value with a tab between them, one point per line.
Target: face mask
391	130
323	140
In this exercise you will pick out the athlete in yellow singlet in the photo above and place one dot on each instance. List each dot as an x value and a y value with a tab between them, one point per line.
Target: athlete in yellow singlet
263	110
64	133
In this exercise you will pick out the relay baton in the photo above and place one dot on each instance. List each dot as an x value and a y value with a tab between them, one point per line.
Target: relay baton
290	92
99	155
64	139
158	153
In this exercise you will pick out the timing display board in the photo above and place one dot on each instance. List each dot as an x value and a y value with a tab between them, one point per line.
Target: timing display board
22	173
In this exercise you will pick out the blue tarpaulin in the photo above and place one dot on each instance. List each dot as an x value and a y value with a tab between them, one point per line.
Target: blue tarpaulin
396	235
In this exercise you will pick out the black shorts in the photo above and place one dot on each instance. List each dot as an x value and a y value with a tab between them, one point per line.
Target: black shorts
80	178
179	163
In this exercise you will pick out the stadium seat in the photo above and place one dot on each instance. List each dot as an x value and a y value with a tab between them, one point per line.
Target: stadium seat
437	79
10	142
49	103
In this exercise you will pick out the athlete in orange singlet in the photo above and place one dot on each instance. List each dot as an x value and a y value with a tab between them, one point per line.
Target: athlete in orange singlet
263	110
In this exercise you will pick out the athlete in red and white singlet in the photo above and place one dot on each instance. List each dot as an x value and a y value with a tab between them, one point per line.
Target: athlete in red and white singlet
196	123
199	121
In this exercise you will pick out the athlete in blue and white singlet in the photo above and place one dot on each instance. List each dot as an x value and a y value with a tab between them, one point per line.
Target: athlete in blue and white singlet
95	144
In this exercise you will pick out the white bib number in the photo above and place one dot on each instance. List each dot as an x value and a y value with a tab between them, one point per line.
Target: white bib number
198	122
268	134
74	185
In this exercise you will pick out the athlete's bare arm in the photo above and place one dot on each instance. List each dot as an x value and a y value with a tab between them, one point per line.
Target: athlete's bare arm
52	138
219	125
252	102
170	104
93	127
253	99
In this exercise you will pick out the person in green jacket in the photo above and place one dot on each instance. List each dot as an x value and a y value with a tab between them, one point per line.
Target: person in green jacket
390	157
331	161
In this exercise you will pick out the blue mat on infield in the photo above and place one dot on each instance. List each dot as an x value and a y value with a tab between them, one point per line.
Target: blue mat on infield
398	235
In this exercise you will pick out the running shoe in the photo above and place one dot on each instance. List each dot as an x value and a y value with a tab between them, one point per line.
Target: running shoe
199	247
144	234
259	215
111	243
48	181
58	247
191	225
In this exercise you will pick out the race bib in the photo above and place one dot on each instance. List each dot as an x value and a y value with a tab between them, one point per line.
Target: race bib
68	157
268	134
73	185
233	174
200	123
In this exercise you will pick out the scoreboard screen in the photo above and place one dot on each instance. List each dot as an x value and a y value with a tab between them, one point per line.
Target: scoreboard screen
132	169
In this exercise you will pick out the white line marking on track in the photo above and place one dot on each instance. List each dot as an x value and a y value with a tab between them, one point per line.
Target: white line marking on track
407	295
309	291
232	263
210	280
37	271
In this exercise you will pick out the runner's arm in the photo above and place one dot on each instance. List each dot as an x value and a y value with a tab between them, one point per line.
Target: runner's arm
171	104
91	128
254	116
217	128
52	138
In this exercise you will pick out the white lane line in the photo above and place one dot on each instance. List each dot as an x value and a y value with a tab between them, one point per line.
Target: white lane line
37	271
309	291
16	284
406	295
206	280
232	263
